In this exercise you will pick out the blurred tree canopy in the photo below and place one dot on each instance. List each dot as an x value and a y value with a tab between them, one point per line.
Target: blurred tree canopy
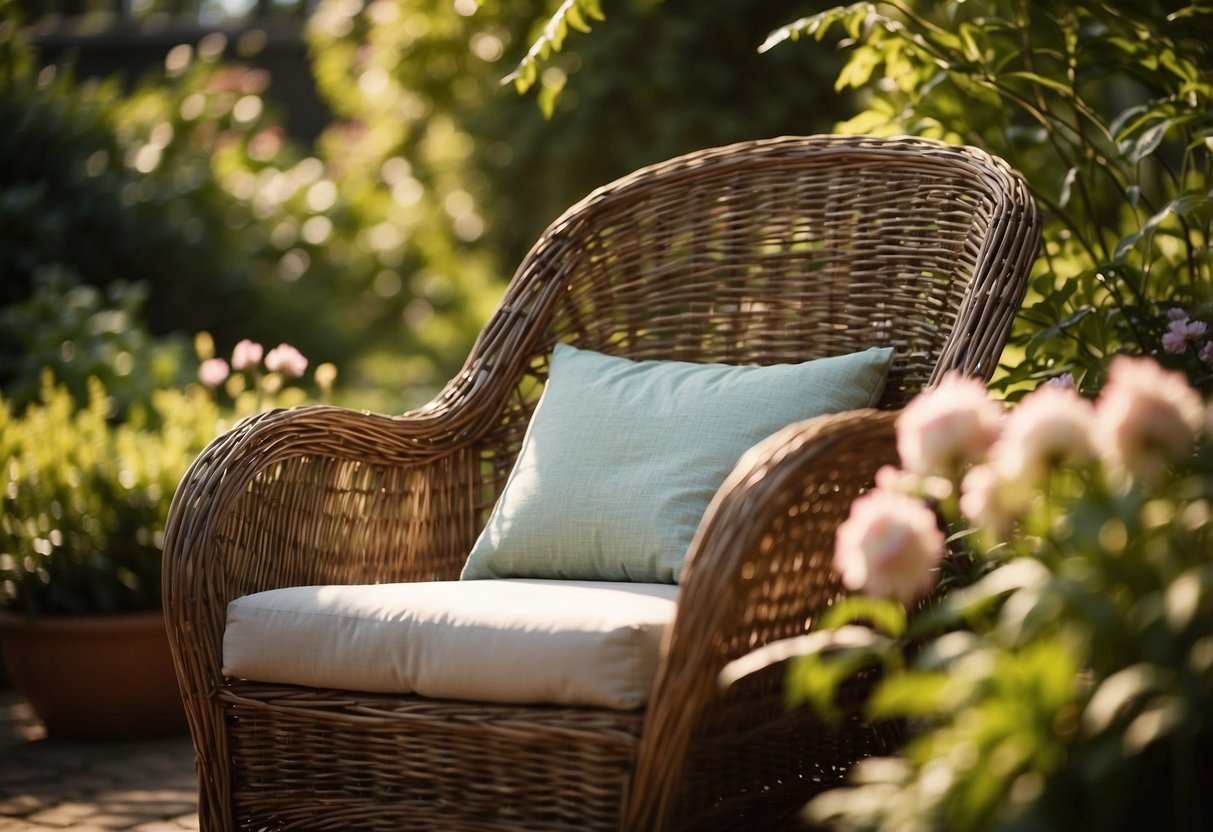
1105	110
383	247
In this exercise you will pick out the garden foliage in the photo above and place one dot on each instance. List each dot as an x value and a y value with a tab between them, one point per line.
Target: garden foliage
394	234
1067	684
85	497
1106	108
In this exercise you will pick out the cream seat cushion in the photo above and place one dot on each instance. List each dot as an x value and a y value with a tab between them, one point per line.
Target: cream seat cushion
515	641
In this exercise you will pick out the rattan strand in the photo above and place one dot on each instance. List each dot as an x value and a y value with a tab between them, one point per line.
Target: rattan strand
764	252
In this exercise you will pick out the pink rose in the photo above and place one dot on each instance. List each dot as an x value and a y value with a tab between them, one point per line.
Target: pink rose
246	354
888	546
287	360
213	372
1049	427
948	426
1146	417
993	502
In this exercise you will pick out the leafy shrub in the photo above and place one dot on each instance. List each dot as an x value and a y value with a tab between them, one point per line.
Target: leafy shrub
1070	686
78	332
73	197
170	186
85	498
1107	109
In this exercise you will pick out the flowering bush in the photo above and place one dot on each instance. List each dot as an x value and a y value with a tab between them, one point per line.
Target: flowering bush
85	497
1067	682
247	383
1188	346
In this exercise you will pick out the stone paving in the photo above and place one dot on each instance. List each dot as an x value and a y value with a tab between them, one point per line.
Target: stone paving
48	784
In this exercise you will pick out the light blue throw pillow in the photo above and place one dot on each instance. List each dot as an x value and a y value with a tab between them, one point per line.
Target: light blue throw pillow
622	457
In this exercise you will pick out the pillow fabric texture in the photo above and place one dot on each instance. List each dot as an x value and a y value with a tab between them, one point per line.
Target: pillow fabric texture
622	457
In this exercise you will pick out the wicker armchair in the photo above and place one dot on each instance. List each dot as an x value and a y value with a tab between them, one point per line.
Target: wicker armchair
764	252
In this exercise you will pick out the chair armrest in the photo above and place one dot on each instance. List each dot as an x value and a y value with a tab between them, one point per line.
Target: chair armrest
314	495
758	571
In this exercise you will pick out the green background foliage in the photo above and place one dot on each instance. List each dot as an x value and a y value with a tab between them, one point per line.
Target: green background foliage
384	246
1105	109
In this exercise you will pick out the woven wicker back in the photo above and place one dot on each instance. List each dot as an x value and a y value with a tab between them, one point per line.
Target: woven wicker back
777	251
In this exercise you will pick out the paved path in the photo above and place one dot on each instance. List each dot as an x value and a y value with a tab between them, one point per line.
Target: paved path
48	784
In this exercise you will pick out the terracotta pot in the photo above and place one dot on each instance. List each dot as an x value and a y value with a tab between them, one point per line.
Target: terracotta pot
104	677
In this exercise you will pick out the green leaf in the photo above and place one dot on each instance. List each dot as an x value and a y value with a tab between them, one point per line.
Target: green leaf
1022	573
851	639
909	694
570	13
1156	721
1066	184
854	22
1037	78
815	679
1116	695
1119	123
1136	149
885	616
1187	596
858	70
972	51
576	20
1190	11
1182	206
816	25
1182	69
1050	332
549	92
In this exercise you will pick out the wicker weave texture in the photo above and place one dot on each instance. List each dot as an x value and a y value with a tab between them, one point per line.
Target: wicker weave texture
764	252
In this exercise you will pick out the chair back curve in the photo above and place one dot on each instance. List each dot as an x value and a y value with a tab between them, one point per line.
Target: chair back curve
772	251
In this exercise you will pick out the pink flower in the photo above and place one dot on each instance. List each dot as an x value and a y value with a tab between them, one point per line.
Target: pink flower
888	546
1065	381
1181	333
287	360
1146	416
953	424
1206	353
1174	344
213	372
892	478
1051	426
993	502
246	354
1177	315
